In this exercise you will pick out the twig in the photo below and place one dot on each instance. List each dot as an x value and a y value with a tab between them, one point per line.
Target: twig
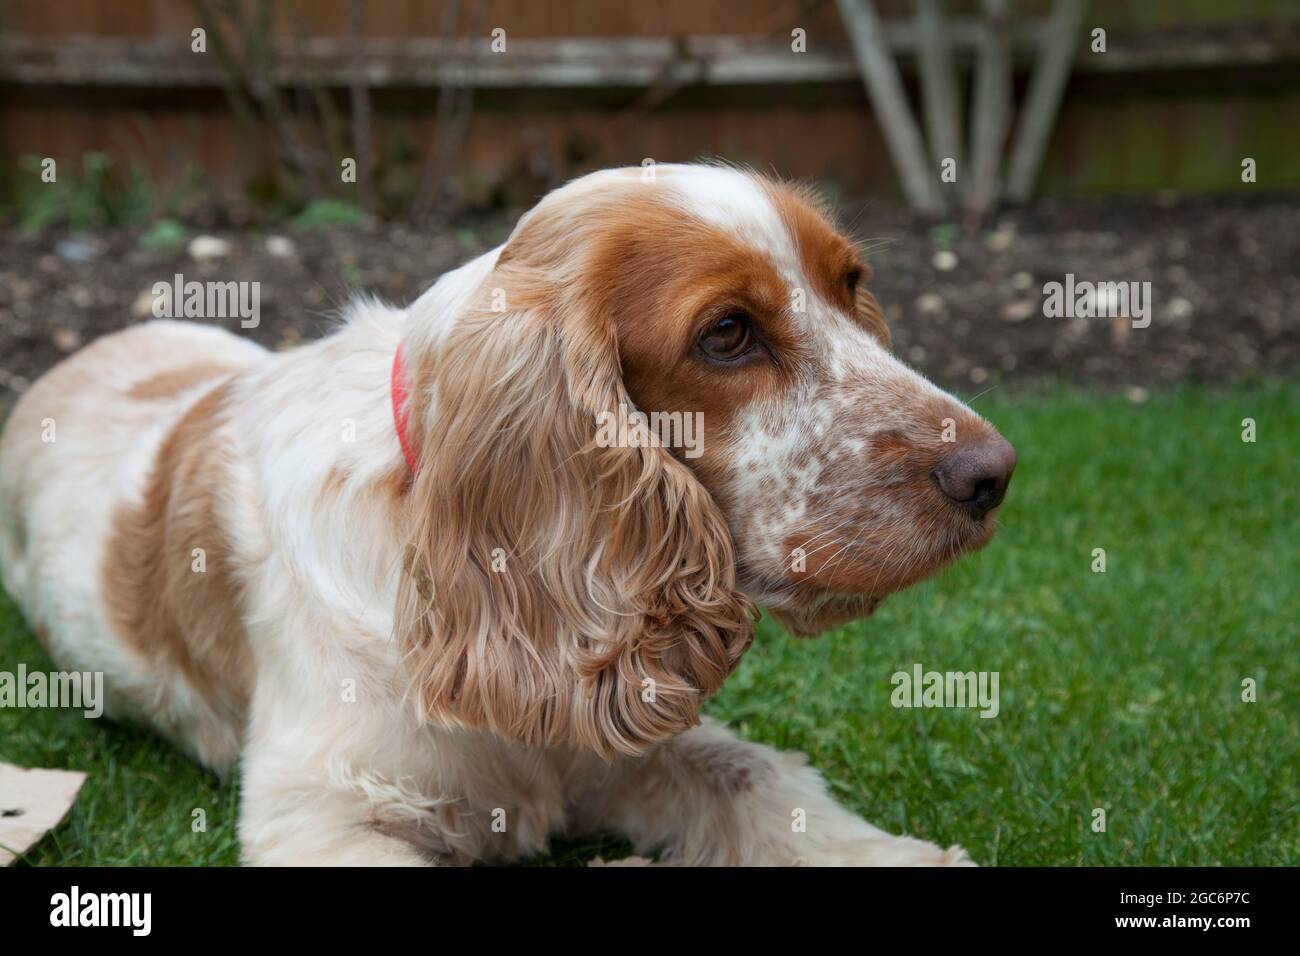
359	93
938	88
885	90
992	108
1055	58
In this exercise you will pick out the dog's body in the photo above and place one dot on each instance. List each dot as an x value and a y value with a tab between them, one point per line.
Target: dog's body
235	539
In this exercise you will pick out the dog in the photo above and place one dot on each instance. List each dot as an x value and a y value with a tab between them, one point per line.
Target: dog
396	576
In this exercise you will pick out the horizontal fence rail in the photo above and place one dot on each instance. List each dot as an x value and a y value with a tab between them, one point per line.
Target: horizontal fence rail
595	62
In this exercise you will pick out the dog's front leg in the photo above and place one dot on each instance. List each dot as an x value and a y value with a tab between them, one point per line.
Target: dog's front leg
709	798
296	811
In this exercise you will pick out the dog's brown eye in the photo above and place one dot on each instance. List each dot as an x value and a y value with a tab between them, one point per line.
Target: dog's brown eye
727	338
852	279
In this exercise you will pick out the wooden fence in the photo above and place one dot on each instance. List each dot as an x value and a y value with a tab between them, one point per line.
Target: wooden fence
1184	91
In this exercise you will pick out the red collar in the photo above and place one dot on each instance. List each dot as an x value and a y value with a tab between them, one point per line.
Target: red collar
402	409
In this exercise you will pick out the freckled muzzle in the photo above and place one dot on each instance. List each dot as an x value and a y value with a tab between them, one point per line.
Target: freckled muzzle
894	515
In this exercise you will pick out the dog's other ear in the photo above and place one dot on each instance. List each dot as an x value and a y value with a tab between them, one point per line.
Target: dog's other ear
871	315
556	591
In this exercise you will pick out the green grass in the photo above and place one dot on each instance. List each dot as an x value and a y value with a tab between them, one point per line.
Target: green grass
1119	690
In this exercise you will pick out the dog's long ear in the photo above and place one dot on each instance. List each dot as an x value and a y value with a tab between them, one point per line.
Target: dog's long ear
556	591
871	315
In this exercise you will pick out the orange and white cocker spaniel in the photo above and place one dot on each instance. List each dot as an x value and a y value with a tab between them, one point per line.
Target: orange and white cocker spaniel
397	575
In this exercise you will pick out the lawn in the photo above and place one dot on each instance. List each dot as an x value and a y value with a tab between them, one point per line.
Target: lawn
1119	690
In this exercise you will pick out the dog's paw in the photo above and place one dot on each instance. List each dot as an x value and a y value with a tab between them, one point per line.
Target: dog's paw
625	861
956	856
889	851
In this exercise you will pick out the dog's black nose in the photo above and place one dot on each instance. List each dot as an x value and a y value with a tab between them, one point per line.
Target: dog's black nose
975	476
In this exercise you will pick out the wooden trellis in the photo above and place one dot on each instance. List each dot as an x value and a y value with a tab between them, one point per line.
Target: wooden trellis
979	181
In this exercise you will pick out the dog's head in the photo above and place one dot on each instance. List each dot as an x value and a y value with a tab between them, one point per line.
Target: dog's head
669	395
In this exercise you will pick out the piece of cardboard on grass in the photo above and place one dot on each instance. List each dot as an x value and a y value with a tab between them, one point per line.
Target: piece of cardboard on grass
32	802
